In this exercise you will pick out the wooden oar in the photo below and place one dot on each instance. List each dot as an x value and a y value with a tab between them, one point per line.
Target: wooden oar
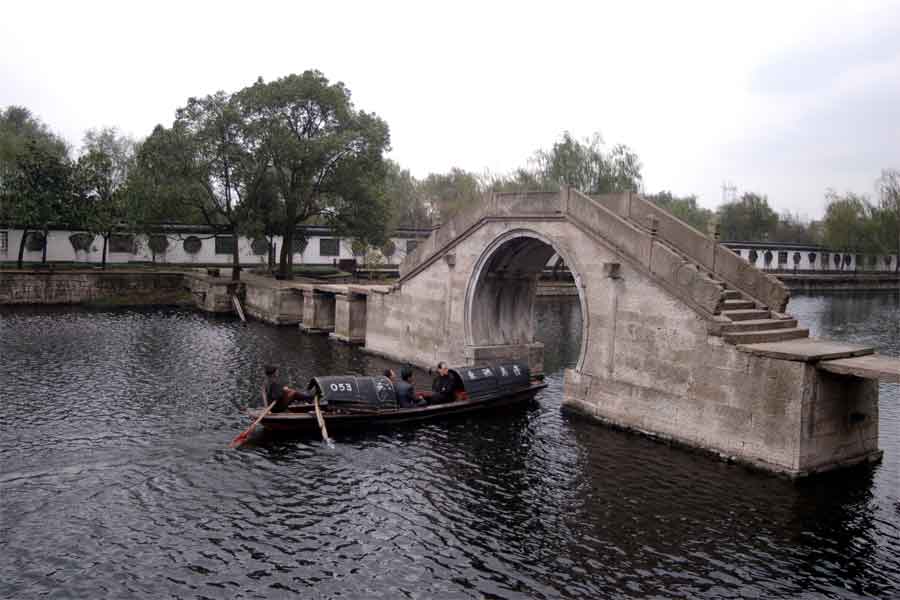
321	421
242	437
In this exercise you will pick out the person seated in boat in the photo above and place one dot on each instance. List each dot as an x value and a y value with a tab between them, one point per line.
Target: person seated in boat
282	395
445	385
406	391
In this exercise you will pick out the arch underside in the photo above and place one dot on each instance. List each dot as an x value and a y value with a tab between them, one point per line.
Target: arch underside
505	288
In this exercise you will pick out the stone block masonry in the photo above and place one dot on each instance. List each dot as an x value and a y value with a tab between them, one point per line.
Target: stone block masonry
318	311
77	287
349	318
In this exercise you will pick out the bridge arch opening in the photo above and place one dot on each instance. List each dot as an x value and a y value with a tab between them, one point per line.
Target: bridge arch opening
503	305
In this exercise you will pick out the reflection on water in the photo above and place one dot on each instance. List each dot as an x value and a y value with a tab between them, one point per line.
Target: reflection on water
116	482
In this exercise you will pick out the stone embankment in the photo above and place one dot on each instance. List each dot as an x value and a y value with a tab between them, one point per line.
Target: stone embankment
92	286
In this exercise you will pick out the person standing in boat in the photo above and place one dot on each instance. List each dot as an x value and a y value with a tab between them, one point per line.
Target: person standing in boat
445	385
406	391
282	395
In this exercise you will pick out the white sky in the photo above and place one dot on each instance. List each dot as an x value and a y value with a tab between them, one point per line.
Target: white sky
784	98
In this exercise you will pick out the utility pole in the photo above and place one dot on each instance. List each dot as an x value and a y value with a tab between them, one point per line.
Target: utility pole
729	192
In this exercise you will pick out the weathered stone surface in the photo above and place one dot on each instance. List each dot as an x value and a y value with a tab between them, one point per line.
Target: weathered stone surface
350	318
318	311
873	366
806	350
75	287
273	304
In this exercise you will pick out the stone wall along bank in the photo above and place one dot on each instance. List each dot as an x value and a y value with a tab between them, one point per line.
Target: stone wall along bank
77	287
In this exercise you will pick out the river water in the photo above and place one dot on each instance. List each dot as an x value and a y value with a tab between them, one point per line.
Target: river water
116	481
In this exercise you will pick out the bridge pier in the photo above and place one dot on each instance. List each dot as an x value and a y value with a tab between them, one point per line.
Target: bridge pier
350	318
278	305
318	311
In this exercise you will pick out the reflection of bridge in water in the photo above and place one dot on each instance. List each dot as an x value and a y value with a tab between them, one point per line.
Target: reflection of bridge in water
681	338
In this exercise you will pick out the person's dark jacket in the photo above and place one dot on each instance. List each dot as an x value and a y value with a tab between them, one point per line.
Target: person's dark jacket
444	387
275	393
406	394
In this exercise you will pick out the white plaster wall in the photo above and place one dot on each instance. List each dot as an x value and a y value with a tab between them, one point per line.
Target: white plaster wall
59	248
805	264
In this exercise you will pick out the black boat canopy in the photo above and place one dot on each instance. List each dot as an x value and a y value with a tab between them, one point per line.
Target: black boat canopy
377	393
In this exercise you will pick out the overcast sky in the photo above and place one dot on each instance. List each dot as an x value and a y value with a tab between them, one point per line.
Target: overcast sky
782	98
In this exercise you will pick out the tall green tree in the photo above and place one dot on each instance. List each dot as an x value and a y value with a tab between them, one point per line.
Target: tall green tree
585	165
101	175
445	194
749	218
224	162
407	208
163	185
19	129
325	154
846	223
40	192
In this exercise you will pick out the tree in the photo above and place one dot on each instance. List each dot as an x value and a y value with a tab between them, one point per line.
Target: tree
846	227
101	175
887	230
407	209
748	219
791	229
223	162
585	166
685	208
445	194
39	192
520	180
325	154
19	129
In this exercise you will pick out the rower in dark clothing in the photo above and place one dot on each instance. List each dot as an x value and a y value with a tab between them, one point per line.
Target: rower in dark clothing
445	385
281	394
406	391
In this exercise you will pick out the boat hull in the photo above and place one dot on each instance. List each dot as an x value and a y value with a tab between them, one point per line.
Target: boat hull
305	422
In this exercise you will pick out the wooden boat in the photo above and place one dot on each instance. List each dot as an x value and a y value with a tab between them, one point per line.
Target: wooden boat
352	403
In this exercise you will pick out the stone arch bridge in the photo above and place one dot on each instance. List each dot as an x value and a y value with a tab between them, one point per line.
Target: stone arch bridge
682	339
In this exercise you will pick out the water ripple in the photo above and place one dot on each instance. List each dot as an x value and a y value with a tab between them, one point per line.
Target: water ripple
116	482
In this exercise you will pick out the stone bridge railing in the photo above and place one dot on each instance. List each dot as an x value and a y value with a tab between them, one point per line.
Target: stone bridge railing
703	250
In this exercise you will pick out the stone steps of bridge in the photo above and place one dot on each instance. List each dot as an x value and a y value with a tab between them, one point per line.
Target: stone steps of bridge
759	325
746	314
729	294
738	304
766	336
